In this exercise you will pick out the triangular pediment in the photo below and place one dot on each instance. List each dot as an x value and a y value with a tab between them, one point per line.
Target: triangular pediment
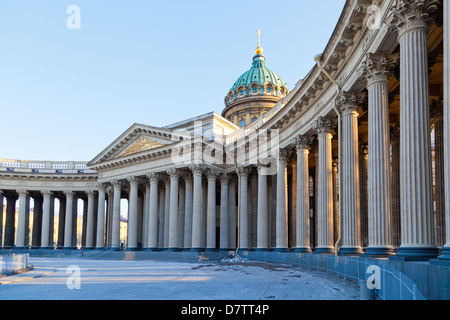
137	139
140	145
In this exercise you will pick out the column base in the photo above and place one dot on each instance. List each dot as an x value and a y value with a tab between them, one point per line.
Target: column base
303	250
152	249
281	249
379	252
416	253
197	250
70	248
100	248
211	250
262	250
132	249
23	248
350	251
445	253
324	250
46	248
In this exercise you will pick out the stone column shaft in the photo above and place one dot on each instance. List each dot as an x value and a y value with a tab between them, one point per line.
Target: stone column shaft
325	187
188	212
68	220
349	164
224	212
173	215
211	212
153	213
445	253
303	197
90	220
133	214
21	224
262	227
197	209
46	220
100	242
416	194
243	210
281	213
115	238
377	71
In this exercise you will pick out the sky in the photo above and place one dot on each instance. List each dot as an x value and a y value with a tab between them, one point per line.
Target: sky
66	94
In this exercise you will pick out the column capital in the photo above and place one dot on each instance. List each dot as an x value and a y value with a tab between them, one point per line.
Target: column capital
349	102
197	169
22	193
153	177
282	154
244	171
134	181
378	67
412	14
173	173
101	186
46	193
224	178
212	174
324	126
116	183
69	193
303	142
90	193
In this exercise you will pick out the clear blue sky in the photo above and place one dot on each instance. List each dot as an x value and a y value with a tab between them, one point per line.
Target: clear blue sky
67	94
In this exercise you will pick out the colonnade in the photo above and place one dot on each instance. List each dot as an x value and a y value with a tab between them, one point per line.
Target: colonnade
386	186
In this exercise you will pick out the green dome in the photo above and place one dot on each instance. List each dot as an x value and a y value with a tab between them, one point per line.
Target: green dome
258	81
260	74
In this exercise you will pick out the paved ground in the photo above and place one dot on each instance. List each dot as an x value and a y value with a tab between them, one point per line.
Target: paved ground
152	280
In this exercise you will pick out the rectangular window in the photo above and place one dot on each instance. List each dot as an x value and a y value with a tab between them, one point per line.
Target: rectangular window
242	123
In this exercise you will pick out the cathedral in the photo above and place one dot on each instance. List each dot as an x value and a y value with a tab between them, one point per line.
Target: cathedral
352	161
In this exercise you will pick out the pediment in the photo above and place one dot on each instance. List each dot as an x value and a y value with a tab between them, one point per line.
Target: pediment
140	145
137	139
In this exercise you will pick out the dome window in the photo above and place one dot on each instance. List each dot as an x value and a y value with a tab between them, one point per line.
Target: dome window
254	89
241	92
268	89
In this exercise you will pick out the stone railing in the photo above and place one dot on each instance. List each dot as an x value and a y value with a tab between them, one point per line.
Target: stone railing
56	167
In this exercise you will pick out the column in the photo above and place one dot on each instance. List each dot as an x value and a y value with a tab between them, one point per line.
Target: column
68	220
10	221
166	212
376	71
416	194
439	194
100	242
133	214
173	217
282	212
232	213
188	212
161	213
445	252
211	211
181	214
363	203
21	224
395	187
325	243
115	236
90	220
46	220
303	143
262	227
146	214
197	207
243	209
224	212
349	164
153	212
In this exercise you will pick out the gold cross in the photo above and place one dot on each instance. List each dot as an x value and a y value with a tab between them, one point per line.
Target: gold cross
259	37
